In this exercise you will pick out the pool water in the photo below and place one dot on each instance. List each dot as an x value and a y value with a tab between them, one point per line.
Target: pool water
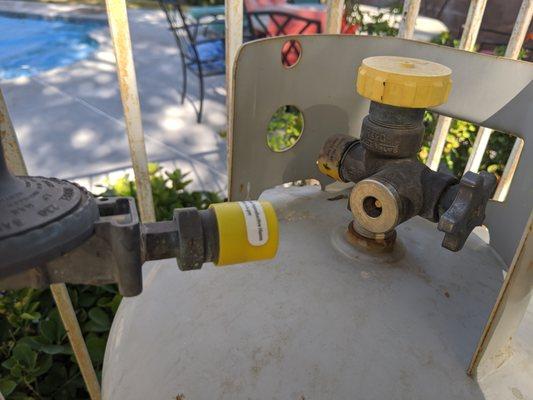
30	45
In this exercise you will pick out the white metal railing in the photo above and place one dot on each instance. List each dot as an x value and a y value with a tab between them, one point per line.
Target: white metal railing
120	36
334	16
408	22
468	42
118	22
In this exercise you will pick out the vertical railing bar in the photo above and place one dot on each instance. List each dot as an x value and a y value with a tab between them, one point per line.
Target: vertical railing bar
16	164
478	149
523	20
510	167
77	342
120	35
472	25
10	143
468	42
234	35
438	142
334	16
411	9
516	41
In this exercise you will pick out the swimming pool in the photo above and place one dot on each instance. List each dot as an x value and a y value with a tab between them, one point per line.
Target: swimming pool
29	45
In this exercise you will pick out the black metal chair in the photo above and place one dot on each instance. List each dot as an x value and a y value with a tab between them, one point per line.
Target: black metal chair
200	43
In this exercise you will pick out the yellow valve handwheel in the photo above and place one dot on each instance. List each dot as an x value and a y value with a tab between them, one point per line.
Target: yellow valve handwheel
404	82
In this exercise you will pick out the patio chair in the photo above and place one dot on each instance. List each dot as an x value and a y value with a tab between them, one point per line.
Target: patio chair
200	43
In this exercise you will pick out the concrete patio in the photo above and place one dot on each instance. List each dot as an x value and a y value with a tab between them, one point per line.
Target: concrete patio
69	120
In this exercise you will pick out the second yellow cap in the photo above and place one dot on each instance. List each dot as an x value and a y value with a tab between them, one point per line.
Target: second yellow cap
404	82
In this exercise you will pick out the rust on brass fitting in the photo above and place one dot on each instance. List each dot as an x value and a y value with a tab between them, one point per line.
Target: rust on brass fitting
371	243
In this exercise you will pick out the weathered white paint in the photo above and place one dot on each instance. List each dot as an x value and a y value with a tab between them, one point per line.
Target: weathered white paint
409	16
478	149
234	35
468	42
10	143
334	16
120	35
472	25
510	167
70	321
438	142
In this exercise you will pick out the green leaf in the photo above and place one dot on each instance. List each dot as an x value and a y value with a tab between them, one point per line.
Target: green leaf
99	316
25	355
104	301
115	303
9	363
7	386
96	347
82	315
91	326
34	342
30	316
86	299
17	371
56	349
43	365
48	330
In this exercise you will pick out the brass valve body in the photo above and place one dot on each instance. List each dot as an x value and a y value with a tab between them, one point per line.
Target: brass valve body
391	184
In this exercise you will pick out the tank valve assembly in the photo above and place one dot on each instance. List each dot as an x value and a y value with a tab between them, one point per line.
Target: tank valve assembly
54	231
391	185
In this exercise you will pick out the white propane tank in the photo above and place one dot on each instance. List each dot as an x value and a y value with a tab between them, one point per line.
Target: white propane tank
320	321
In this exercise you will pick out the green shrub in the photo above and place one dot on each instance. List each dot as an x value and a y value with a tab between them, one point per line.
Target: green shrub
379	25
169	190
458	147
36	357
37	360
284	128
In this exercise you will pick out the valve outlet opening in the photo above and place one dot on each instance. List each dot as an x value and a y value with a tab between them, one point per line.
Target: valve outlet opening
372	206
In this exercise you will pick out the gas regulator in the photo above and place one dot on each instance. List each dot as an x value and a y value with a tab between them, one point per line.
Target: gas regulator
54	231
391	184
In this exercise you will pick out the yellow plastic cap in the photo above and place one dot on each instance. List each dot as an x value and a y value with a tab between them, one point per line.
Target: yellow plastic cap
404	82
248	231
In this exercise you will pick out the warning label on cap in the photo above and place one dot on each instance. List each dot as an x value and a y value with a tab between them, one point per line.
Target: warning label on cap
256	224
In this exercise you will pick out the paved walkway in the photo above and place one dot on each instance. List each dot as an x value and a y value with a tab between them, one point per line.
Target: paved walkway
70	121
